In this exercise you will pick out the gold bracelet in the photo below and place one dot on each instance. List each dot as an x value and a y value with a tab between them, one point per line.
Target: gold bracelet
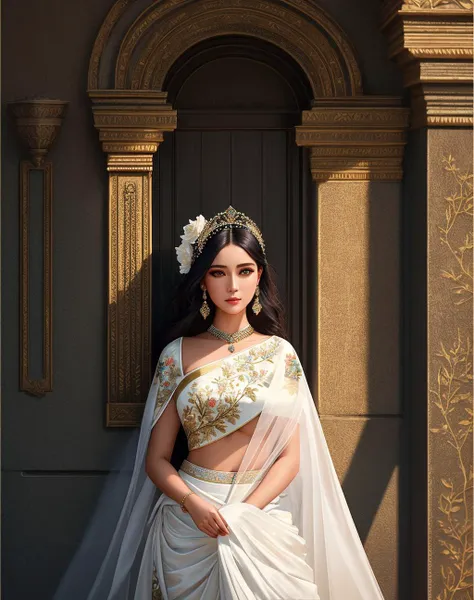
183	508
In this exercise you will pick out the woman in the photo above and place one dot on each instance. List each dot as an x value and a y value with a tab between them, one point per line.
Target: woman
255	509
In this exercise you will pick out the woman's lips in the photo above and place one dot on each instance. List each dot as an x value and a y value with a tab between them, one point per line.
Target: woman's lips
233	301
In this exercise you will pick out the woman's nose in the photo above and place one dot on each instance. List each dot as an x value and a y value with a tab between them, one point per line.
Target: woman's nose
233	284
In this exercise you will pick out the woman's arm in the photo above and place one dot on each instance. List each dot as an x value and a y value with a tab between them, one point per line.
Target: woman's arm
160	447
159	469
279	475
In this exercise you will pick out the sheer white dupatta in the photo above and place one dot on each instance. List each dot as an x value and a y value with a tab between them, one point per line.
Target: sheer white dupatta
314	498
106	566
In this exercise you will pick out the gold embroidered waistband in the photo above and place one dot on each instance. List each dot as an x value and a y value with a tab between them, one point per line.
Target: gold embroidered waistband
217	476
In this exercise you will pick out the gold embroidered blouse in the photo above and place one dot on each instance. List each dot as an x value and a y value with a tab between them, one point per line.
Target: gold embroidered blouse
218	398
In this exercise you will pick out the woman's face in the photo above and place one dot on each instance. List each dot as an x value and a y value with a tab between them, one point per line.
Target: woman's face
233	274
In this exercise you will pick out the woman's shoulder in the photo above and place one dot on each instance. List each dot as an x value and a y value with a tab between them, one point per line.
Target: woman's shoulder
171	347
291	355
285	344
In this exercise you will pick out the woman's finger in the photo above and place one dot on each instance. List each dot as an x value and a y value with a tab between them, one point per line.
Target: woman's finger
214	527
225	522
221	523
208	531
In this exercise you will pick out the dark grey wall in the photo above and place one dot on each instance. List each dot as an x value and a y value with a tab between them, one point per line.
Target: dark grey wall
46	49
361	21
51	445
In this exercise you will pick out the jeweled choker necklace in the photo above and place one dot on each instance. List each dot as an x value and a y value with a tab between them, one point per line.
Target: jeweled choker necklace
231	338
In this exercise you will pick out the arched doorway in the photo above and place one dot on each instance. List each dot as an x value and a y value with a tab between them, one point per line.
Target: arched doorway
133	61
238	101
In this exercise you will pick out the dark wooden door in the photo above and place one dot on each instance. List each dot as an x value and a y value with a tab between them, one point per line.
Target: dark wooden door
238	104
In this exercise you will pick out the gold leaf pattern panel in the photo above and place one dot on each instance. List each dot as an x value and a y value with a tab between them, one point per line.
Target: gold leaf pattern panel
450	410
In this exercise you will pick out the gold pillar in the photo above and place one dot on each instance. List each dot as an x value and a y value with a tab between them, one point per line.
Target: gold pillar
432	43
357	149
131	126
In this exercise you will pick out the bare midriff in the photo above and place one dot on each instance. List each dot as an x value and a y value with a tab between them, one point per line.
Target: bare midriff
227	453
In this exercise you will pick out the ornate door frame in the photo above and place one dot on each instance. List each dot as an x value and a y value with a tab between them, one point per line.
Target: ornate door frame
353	137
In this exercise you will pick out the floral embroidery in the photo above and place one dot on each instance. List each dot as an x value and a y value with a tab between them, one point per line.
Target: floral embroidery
166	374
293	372
210	409
155	588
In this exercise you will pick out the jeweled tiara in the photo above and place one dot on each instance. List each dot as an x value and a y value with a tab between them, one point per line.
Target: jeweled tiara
198	232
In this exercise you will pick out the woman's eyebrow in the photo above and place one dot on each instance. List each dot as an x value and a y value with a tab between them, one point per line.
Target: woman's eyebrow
225	266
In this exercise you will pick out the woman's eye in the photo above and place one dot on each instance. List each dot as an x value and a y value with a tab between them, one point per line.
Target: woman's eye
243	272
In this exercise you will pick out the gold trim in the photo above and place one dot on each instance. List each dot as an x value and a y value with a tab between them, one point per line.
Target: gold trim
131	126
113	16
131	123
124	414
355	139
280	26
127	163
38	123
217	476
207	368
305	31
437	5
432	41
36	387
194	374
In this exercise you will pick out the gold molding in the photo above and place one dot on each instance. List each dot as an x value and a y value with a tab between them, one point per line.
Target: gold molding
355	139
432	41
438	107
130	162
278	25
36	387
100	43
124	414
38	122
438	4
429	35
131	122
162	33
425	7
131	127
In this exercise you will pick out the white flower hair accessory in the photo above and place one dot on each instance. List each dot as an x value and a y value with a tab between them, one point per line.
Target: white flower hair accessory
184	251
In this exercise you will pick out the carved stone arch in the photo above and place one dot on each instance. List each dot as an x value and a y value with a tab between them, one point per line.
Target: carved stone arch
325	67
163	31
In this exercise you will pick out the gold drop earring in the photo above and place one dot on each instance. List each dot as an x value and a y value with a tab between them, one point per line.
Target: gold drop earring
204	310
256	306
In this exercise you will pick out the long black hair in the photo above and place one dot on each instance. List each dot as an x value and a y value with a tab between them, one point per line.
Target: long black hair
185	318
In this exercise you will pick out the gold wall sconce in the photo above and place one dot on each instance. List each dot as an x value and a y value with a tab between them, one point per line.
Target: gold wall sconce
38	122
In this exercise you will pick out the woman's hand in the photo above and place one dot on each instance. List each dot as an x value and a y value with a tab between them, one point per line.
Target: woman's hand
206	516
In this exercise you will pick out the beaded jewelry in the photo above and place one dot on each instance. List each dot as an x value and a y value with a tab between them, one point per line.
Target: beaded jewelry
198	232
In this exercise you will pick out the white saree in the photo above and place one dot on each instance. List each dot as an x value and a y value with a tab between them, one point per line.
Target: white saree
301	546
